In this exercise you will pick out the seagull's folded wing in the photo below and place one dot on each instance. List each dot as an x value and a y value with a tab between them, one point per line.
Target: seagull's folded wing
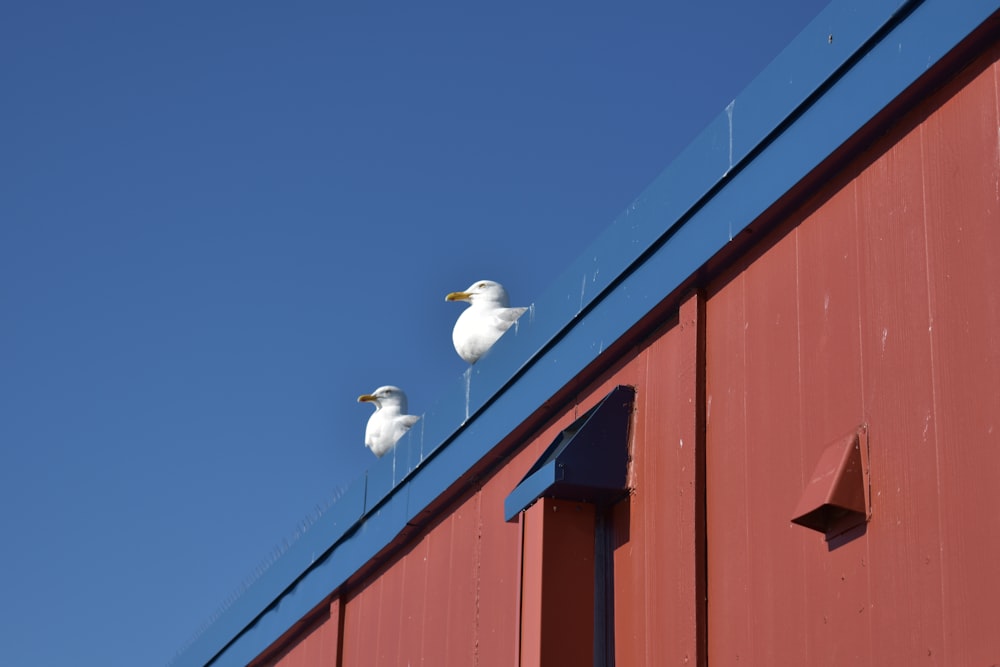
504	317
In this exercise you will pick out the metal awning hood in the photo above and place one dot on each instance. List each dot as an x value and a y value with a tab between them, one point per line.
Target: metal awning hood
587	462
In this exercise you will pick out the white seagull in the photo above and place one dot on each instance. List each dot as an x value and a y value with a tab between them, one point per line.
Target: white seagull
390	420
488	316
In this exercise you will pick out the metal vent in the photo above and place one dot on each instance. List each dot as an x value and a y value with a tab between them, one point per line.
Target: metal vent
837	497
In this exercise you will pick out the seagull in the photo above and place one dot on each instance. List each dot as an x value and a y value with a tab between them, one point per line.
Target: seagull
390	420
488	316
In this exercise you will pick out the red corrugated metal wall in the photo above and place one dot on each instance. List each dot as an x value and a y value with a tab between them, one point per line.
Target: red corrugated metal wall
452	597
876	304
881	307
655	569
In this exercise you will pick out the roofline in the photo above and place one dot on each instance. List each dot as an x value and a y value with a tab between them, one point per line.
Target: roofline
850	63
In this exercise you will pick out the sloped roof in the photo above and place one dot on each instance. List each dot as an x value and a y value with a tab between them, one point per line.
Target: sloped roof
848	65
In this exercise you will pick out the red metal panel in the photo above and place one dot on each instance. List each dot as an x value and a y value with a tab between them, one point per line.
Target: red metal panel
658	590
904	536
557	595
434	644
359	610
629	601
386	627
404	609
532	523
774	468
963	231
836	624
499	571
450	598
413	566
729	637
421	606
316	645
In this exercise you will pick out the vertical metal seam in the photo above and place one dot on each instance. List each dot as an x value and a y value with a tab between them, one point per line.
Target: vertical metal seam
700	499
520	588
479	573
934	372
339	598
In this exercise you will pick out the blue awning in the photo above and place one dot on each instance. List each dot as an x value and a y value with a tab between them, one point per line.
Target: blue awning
588	462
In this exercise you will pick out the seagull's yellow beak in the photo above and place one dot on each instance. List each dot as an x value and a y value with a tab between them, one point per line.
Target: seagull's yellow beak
366	398
458	296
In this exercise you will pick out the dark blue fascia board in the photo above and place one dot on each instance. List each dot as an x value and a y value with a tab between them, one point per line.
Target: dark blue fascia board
685	217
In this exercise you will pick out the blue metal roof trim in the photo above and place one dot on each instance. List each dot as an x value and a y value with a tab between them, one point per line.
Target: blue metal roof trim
689	213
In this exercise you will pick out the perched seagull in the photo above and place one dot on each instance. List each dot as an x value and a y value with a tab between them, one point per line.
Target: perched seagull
484	321
390	420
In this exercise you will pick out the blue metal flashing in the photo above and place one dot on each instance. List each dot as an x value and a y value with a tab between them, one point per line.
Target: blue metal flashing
852	61
587	462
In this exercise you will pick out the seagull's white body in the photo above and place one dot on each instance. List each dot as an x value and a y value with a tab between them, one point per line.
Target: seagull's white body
488	316
390	420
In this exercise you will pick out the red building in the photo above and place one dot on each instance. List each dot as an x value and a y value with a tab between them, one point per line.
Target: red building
767	432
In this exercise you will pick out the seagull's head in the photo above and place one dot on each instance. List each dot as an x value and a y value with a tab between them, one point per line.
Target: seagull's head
385	396
482	291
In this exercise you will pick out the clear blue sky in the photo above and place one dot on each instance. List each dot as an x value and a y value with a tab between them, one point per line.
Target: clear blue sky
222	222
